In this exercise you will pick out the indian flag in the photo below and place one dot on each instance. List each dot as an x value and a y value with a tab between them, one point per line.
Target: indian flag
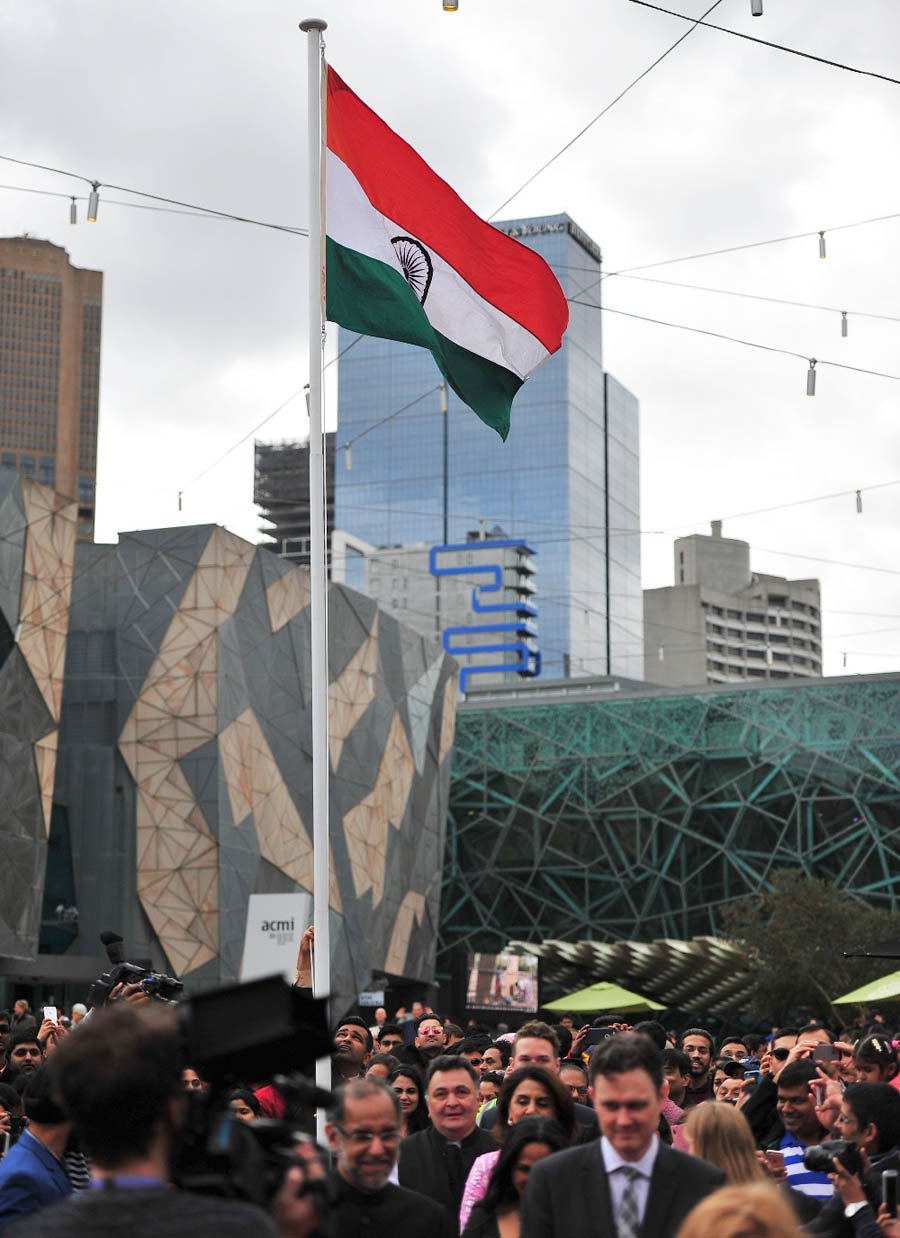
406	259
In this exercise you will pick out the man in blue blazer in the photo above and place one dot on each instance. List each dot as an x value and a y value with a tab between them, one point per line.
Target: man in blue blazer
31	1173
628	1183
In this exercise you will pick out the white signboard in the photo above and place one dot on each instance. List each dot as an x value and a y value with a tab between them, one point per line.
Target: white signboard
371	997
275	924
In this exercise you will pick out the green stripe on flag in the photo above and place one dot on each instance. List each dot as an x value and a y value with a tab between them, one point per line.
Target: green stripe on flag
367	296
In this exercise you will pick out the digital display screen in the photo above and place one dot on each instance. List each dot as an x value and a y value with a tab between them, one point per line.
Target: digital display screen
503	982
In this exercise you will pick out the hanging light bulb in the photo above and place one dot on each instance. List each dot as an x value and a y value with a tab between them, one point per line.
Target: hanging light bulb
811	377
450	6
756	8
859	502
73	212
821	244
844	323
93	202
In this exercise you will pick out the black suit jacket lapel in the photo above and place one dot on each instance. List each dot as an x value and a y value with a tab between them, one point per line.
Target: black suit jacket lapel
663	1182
594	1193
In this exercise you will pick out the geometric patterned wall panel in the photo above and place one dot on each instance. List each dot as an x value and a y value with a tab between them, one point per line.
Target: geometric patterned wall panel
213	683
37	550
643	817
175	713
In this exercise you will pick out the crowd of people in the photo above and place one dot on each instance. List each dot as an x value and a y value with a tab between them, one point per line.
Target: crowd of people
446	1127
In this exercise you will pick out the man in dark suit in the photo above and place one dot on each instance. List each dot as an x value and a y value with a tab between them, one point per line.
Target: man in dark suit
630	1183
364	1132
436	1161
32	1173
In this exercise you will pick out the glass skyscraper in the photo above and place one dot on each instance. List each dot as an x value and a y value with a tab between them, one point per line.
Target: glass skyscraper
566	480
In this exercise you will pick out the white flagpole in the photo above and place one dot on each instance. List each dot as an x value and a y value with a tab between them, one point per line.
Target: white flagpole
317	538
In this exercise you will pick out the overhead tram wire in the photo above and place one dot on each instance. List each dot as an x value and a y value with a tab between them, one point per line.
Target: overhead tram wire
785	352
750	296
154	197
779	47
195	213
234	446
601	114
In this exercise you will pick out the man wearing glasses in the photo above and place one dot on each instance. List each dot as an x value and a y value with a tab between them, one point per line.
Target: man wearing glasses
364	1132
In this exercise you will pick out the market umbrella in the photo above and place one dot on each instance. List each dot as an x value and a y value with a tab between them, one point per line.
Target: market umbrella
603	996
885	989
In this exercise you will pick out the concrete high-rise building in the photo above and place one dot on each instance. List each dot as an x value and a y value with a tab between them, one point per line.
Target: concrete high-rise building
50	315
722	623
565	482
281	491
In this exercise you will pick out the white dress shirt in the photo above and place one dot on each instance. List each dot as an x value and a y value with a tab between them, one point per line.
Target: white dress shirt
613	1163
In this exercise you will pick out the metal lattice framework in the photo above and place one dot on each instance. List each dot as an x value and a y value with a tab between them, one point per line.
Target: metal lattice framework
642	817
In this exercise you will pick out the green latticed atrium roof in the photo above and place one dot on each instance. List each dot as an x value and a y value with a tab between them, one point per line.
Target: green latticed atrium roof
639	815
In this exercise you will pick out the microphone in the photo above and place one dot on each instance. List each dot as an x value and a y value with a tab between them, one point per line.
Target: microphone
114	951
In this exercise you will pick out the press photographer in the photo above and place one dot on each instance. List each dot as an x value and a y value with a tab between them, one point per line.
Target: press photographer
119	1079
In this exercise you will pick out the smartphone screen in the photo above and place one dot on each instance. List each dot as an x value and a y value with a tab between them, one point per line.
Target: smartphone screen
50	1013
596	1035
889	1191
825	1053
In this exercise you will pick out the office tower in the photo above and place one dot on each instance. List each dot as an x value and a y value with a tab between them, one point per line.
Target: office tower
281	491
50	370
722	623
566	480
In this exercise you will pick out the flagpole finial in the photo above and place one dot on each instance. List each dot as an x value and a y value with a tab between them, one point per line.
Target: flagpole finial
313	23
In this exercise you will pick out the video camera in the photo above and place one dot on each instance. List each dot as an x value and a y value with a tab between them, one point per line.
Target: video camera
161	988
238	1035
820	1157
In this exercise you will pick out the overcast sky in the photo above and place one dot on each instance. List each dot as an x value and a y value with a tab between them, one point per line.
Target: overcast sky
724	143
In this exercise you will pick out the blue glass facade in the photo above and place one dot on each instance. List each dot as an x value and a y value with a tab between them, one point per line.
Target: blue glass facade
566	479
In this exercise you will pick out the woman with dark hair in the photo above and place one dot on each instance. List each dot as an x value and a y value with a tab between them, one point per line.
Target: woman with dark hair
529	1092
243	1104
407	1083
496	1215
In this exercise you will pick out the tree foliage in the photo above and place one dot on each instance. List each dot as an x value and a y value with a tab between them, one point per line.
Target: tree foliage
795	935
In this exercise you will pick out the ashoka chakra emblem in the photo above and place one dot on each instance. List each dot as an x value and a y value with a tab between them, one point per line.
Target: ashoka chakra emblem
415	264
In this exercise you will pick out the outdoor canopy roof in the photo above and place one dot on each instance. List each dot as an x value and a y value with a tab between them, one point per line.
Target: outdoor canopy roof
603	997
705	974
885	989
